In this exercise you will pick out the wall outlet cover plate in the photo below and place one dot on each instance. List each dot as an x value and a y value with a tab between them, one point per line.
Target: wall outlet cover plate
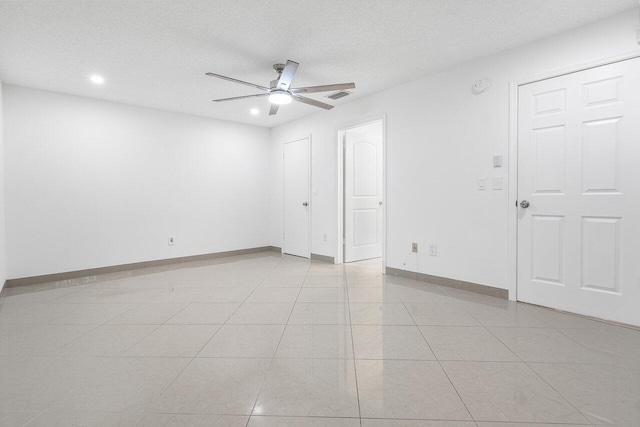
497	182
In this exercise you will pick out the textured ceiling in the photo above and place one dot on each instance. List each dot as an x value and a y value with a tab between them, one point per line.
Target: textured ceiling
155	53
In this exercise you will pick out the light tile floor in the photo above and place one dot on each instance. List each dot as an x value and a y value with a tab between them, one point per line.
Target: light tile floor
265	340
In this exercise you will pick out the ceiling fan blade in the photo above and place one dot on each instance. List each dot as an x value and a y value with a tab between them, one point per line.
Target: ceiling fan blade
273	110
310	101
287	75
240	97
323	88
237	81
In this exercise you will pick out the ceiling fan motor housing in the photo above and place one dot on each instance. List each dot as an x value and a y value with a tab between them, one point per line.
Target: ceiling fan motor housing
278	69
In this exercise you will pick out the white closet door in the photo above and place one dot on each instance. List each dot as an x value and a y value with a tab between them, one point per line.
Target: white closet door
579	171
296	198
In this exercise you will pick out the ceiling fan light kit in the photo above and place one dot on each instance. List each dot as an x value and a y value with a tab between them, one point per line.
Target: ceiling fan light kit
280	91
280	97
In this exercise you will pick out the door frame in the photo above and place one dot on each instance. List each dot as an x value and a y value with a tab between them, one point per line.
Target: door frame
308	192
341	132
514	85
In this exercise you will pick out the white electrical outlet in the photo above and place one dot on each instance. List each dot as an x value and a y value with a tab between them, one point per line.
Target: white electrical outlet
433	250
497	182
324	237
414	247
171	241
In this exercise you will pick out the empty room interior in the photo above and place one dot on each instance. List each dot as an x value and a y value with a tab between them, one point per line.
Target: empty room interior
354	213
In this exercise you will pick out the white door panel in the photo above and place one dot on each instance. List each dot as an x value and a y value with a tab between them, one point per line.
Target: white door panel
296	198
579	167
363	192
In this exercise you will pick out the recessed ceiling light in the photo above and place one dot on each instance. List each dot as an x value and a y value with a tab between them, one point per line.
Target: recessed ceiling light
96	79
254	111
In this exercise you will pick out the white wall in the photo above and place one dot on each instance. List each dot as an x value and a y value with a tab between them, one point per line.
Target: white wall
440	139
3	265
92	183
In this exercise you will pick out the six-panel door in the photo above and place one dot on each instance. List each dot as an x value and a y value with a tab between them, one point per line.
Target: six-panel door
579	168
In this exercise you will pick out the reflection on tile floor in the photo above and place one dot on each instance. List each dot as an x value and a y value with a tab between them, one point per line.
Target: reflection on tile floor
265	340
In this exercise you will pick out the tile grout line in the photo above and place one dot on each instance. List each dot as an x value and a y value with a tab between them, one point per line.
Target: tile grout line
115	324
270	268
255	402
209	340
159	326
234	311
538	375
38	415
440	364
560	330
353	349
96	326
140	340
73	340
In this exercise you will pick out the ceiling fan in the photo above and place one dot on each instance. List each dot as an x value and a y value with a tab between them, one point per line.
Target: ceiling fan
280	91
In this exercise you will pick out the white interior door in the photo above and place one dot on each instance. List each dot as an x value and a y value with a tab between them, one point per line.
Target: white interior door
296	198
363	192
579	170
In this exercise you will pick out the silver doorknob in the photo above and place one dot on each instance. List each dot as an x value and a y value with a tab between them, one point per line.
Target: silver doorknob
305	204
524	204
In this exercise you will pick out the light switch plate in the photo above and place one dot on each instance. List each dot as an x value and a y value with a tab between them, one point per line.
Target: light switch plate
497	161
482	183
